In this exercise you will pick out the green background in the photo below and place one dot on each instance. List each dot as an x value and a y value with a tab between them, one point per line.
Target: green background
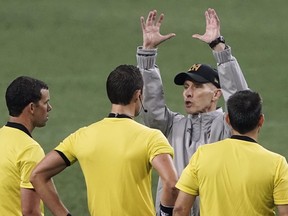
73	45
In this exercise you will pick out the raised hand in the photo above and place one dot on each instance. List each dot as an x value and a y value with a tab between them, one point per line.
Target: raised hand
151	30
212	27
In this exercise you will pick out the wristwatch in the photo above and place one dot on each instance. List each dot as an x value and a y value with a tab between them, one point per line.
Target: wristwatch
218	40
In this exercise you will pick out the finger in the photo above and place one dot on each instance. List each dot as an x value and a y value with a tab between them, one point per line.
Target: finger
142	22
207	18
197	36
216	17
168	36
213	17
203	38
159	22
154	14
149	17
210	12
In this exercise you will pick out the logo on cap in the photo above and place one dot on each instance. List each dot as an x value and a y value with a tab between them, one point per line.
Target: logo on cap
194	67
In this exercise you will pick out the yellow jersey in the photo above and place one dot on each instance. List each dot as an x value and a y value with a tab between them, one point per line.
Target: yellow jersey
236	177
19	154
115	156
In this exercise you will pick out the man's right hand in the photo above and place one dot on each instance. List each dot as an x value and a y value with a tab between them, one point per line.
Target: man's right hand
151	31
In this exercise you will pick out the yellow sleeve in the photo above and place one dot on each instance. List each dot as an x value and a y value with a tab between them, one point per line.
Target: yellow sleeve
67	147
158	144
280	192
188	181
27	160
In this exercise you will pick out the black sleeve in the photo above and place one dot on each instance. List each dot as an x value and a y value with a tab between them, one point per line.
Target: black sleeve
67	162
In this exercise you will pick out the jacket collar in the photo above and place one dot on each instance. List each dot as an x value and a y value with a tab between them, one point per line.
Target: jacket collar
207	115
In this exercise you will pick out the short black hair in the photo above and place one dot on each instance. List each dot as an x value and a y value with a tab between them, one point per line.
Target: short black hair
22	91
122	82
244	110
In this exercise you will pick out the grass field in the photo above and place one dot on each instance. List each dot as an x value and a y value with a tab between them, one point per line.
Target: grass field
73	45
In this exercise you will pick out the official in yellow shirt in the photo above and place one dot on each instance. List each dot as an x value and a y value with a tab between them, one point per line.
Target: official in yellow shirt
116	156
28	104
236	176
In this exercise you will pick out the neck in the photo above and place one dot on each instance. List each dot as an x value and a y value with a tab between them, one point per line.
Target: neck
252	134
212	107
127	110
23	121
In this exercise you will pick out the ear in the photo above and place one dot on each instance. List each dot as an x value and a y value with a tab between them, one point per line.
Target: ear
227	119
216	94
137	95
29	109
261	120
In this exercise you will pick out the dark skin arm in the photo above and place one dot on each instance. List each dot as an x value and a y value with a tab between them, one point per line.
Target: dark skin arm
41	178
30	202
163	164
282	210
183	204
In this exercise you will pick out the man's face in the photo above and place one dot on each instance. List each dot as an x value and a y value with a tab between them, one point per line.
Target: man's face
199	97
41	109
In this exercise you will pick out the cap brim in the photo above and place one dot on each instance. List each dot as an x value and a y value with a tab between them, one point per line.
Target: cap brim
183	76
